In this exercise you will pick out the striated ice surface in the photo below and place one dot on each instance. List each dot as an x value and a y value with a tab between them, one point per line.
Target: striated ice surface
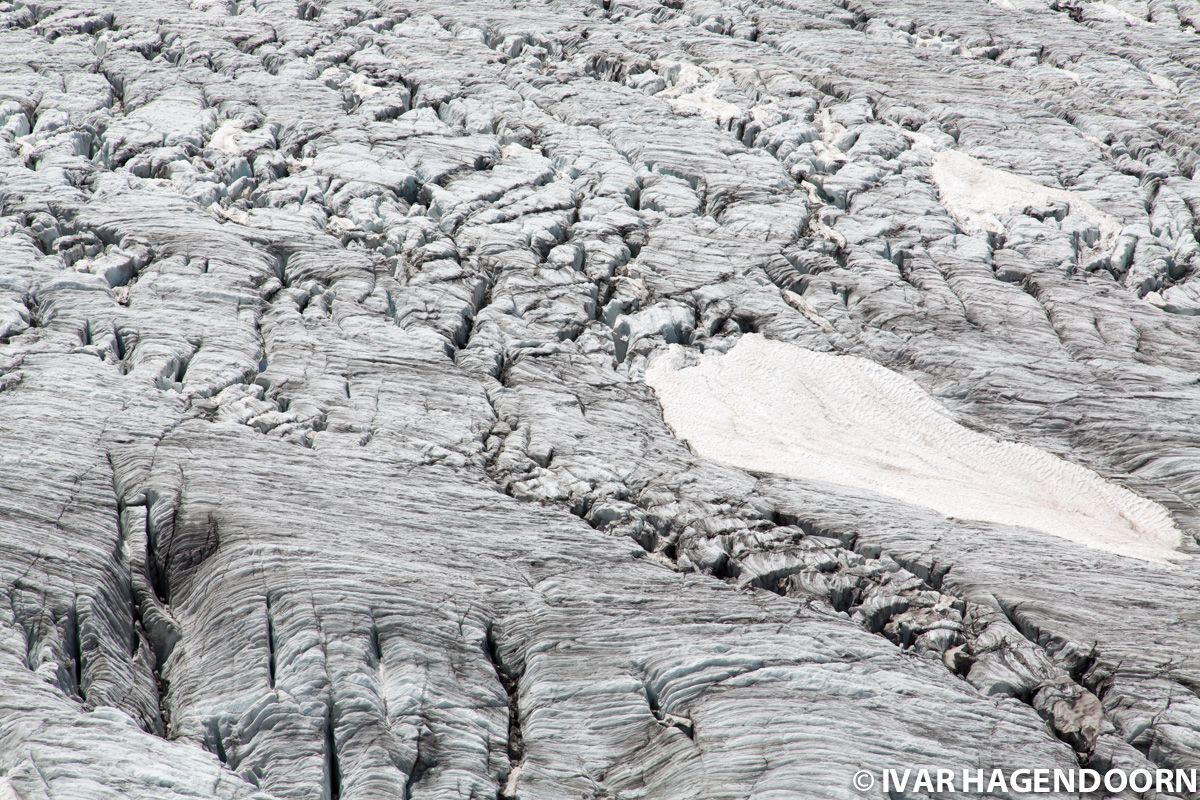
338	418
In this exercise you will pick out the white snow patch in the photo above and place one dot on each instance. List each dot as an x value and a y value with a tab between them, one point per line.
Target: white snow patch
1163	82
694	89
770	406
976	195
707	104
225	138
361	86
1155	299
1073	76
7	792
1118	14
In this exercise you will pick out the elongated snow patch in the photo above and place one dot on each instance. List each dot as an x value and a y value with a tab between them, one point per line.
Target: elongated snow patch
976	195
769	406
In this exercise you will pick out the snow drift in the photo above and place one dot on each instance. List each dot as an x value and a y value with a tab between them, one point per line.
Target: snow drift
769	406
